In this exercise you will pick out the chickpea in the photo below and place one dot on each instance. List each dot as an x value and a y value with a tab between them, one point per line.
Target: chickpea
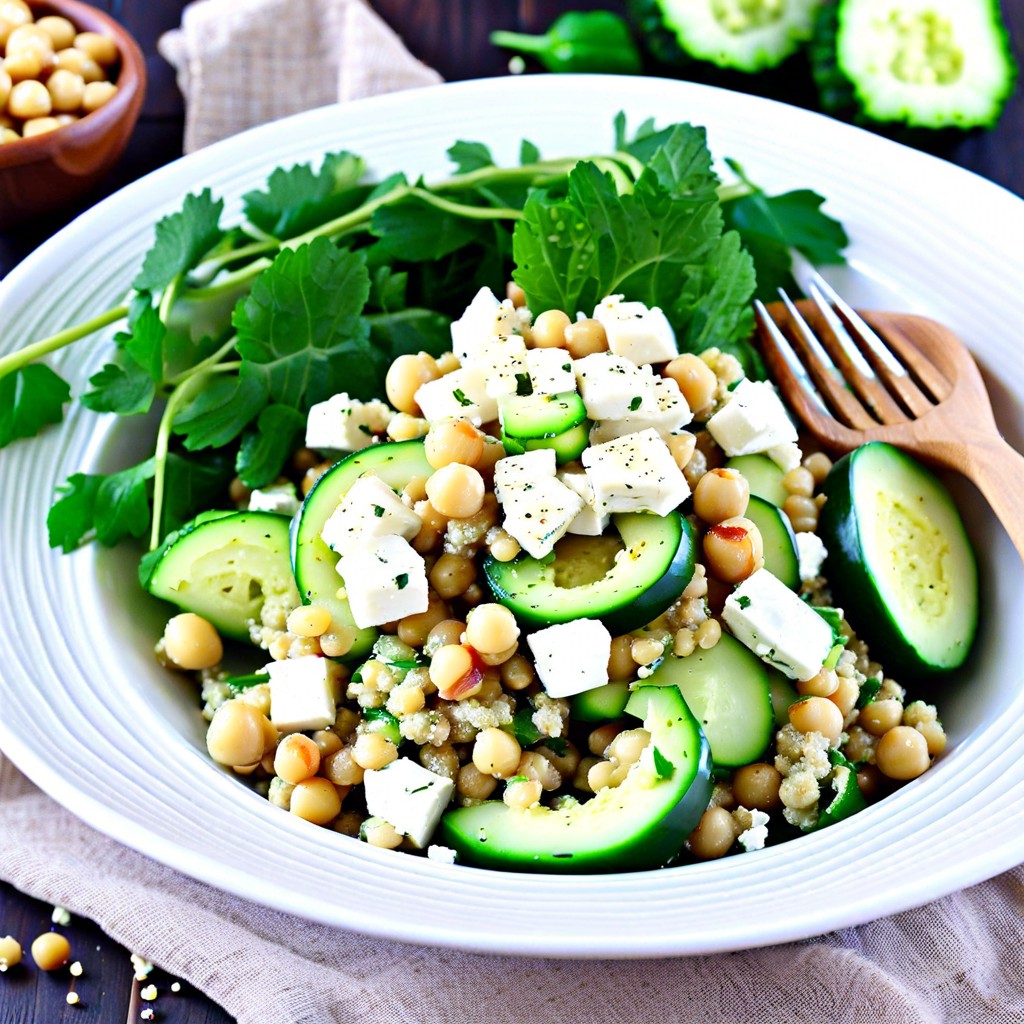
448	631
869	781
845	696
494	451
714	835
316	800
327	742
50	951
100	48
515	294
491	629
549	329
12	14
31	39
696	380
39	126
817	714
5	88
336	644
628	745
585	337
733	549
880	716
341	767
517	673
381	834
373	751
621	665
934	735
60	31
191	642
414	629
452	574
504	547
645	651
707	634
80	63
28	99
522	793
309	620
496	753
824	684
902	753
682	446
66	90
236	735
756	786
449	665
453	441
802	512
456	491
96	94
600	739
818	465
721	494
602	775
404	378
474	784
10	952
799	481
536	766
297	758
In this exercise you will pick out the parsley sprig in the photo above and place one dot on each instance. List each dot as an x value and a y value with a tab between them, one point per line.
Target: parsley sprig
233	332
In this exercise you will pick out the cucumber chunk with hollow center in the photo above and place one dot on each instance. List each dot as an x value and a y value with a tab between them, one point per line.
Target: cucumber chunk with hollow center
313	562
726	688
899	560
640	824
226	567
624	585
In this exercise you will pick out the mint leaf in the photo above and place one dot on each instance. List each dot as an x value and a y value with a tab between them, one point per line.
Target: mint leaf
265	450
220	412
299	198
470	156
300	330
122	387
182	240
413	230
72	515
30	398
662	765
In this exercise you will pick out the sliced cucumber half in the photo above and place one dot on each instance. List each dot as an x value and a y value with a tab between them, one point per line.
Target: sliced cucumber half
641	823
567	446
625	581
899	561
602	704
225	567
532	416
780	554
763	476
313	562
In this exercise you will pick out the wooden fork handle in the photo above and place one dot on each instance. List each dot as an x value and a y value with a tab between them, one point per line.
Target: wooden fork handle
998	471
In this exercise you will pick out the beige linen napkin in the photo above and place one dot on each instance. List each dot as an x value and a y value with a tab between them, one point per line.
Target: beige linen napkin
956	961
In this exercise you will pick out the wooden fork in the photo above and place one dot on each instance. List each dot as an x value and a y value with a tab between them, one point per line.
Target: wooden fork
919	389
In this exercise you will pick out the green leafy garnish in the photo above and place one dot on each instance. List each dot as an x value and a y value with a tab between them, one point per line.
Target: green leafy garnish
402	580
182	240
30	398
868	691
523	728
264	451
239	684
662	765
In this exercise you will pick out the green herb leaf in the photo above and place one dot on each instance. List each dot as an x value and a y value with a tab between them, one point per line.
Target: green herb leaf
145	343
524	386
470	156
265	450
71	517
460	396
239	684
558	745
662	765
220	412
635	403
743	601
523	728
300	330
299	198
868	691
413	230
408	331
122	387
834	618
30	398
182	240
528	152
402	580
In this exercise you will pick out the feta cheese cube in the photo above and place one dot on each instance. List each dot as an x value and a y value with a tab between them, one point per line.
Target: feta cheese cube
459	394
613	388
753	420
572	657
280	498
551	371
635	473
754	838
786	456
408	797
344	424
516	470
538	514
782	630
640	334
303	693
504	359
441	854
385	581
811	553
485	317
589	522
369	510
670	415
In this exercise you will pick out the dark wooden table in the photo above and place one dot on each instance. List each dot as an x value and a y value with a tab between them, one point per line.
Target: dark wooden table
450	35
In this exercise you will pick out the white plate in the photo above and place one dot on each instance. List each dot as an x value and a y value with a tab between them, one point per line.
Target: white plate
86	713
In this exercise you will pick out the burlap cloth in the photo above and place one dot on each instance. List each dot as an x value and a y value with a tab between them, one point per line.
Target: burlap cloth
960	959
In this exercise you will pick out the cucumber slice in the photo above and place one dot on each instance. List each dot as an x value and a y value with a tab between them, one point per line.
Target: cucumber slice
780	554
639	824
568	446
593	577
313	562
225	567
848	798
533	416
763	476
899	561
923	63
726	688
601	704
749	35
783	694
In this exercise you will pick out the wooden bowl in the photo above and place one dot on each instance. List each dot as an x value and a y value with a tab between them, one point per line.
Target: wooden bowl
47	171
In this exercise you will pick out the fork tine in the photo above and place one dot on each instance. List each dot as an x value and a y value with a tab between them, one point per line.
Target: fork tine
827	377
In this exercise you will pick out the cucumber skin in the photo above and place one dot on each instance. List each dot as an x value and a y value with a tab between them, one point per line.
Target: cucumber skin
845	569
779	560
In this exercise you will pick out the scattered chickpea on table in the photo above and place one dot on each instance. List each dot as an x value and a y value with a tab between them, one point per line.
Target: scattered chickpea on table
51	74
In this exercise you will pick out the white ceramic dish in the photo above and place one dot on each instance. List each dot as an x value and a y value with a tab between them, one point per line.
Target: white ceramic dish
86	713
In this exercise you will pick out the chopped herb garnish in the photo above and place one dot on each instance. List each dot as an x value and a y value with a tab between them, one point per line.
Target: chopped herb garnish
402	580
743	601
378	511
662	765
635	403
460	397
869	691
524	386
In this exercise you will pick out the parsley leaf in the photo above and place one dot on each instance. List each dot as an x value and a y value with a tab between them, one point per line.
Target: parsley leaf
413	230
868	691
182	240
522	726
71	517
298	198
30	398
528	152
402	580
123	387
192	483
265	450
524	386
145	343
470	156
300	330
460	396
662	765
408	331
635	403
222	410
